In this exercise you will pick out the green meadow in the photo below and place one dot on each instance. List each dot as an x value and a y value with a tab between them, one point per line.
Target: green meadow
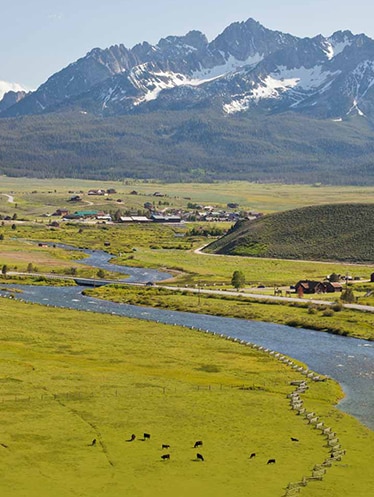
68	378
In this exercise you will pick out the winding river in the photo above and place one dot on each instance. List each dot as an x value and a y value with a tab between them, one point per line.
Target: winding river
348	360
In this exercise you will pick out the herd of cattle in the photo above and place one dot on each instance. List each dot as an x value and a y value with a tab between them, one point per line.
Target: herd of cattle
198	443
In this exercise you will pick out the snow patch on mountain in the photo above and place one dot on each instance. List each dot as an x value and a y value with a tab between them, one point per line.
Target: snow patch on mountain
355	109
269	87
298	82
364	70
237	105
6	86
231	65
156	82
337	47
307	78
273	87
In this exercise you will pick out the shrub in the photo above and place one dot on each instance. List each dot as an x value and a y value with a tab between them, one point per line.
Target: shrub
328	313
347	295
337	306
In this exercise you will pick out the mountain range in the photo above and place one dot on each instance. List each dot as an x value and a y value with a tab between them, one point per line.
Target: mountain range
203	91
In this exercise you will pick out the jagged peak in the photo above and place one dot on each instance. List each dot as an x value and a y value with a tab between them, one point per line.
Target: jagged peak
339	35
98	52
195	39
250	25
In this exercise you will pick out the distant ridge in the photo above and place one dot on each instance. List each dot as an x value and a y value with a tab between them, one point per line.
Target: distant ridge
336	232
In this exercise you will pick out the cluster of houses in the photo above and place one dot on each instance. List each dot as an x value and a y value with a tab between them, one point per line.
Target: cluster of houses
104	217
156	214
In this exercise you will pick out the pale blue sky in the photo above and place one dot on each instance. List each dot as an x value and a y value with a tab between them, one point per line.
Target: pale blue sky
40	37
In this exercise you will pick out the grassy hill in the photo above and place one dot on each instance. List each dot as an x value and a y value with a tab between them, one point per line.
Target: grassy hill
343	232
196	145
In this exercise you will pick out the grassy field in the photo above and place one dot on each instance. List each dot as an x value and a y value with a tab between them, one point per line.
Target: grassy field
68	377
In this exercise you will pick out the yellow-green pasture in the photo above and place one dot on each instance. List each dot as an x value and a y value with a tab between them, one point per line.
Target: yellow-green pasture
35	197
68	378
17	254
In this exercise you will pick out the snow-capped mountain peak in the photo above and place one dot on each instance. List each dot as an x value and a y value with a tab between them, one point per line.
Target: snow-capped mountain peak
245	67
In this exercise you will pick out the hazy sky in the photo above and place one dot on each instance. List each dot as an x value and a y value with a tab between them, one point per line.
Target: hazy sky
40	37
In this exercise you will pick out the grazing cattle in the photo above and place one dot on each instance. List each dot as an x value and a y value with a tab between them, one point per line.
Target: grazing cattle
252	455
271	461
146	436
132	438
199	443
165	446
199	457
294	439
165	456
93	442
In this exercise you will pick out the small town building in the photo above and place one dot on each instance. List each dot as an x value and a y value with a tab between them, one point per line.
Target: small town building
308	286
61	212
140	219
96	192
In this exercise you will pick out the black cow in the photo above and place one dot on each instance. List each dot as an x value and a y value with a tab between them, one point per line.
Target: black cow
271	461
294	439
165	456
146	436
198	443
165	446
252	455
199	457
93	442
132	438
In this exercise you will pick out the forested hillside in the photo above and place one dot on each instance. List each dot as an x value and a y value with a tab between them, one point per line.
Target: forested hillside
199	145
342	232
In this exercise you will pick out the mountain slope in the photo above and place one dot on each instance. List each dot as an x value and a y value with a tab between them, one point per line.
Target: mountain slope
343	232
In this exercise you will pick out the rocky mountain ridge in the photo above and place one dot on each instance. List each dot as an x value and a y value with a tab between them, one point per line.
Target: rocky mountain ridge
247	68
